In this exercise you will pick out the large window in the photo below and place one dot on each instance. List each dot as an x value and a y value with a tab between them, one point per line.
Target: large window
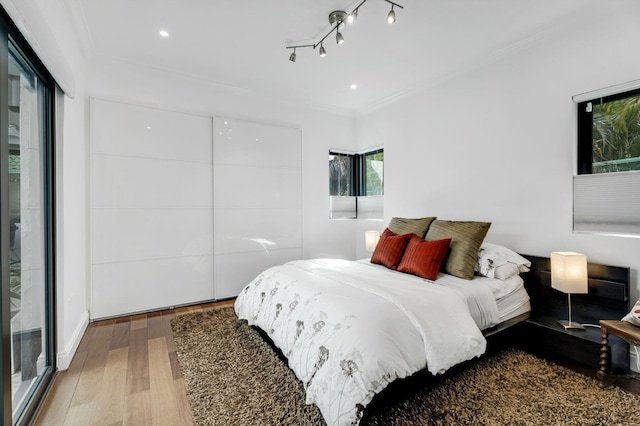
356	184
607	185
26	227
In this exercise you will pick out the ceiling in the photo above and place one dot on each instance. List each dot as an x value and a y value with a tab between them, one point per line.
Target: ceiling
242	43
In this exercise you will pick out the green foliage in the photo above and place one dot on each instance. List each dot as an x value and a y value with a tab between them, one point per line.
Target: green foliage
339	175
616	135
374	174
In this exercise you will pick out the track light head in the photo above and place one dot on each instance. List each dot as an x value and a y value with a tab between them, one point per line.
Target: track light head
391	17
323	52
292	57
339	38
352	16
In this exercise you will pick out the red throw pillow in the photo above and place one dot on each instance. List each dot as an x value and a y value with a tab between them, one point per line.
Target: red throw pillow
423	258
390	248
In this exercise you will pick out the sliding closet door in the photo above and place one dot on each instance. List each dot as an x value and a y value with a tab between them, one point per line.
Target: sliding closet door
27	236
151	204
257	201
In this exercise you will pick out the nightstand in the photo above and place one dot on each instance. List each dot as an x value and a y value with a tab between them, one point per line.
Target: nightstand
608	298
544	335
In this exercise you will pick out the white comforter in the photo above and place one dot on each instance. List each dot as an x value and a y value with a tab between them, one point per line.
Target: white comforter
348	329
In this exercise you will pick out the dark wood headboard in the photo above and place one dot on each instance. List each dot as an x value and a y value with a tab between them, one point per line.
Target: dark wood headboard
608	296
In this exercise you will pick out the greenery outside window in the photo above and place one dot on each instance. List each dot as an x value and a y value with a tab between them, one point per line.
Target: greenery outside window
356	184
609	133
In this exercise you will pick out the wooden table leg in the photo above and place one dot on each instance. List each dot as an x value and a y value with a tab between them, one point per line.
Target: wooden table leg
603	356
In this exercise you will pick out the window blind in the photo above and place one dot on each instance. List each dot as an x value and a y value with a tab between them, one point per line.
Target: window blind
607	203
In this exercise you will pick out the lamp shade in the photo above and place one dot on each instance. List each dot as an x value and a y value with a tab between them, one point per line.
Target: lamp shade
569	272
371	240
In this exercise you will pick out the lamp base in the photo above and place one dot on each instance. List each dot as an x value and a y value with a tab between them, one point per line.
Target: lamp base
568	325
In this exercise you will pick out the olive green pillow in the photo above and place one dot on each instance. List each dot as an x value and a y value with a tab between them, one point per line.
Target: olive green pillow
401	225
466	239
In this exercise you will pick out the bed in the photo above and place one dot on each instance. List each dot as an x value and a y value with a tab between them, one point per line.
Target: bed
350	328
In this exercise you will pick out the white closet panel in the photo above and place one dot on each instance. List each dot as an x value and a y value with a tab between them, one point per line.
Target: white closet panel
236	270
244	230
257	201
151	208
246	187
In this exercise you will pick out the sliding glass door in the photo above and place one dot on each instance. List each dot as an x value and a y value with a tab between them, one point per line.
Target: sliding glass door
26	201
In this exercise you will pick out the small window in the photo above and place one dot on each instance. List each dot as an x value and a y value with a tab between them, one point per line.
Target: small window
606	190
609	134
356	184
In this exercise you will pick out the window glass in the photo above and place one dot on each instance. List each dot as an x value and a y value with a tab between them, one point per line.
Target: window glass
374	173
609	134
340	173
616	135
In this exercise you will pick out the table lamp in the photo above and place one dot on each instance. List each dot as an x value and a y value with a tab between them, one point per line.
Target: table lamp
371	240
569	275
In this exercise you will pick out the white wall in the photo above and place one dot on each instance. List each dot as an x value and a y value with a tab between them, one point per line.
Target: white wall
496	142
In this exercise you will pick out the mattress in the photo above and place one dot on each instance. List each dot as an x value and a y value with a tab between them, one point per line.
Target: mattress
514	303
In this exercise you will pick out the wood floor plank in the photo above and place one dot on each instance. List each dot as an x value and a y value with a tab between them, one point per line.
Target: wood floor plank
164	406
168	332
137	409
138	363
54	408
138	321
80	415
110	399
120	337
183	403
93	370
176	373
155	326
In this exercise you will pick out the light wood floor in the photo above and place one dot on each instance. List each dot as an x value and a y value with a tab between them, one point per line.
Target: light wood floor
125	372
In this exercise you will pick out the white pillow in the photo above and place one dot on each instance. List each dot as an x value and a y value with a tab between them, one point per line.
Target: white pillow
506	271
492	256
634	315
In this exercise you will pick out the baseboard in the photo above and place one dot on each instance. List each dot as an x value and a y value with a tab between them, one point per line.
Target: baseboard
64	358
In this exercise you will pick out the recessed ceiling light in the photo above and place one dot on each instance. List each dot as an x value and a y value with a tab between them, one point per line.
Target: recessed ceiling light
148	127
164	33
353	86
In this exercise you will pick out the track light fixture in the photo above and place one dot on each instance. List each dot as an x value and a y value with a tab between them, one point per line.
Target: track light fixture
323	52
391	17
337	19
353	16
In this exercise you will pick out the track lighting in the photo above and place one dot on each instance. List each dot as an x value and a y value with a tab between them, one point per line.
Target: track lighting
391	17
353	16
323	52
337	18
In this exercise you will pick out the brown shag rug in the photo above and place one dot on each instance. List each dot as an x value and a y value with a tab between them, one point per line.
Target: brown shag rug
234	377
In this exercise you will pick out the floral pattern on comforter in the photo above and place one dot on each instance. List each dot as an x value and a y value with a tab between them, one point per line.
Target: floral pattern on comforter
349	329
